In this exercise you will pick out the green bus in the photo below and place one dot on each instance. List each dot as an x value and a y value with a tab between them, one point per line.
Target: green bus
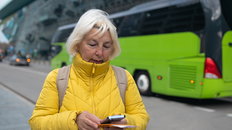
60	56
178	48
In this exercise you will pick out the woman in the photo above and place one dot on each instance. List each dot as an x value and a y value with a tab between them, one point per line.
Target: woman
92	93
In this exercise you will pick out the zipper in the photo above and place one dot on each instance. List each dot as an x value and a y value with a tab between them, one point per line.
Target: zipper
92	88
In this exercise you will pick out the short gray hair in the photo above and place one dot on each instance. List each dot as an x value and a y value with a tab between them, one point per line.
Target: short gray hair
88	21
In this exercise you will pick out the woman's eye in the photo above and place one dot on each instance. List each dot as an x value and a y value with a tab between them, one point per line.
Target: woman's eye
107	46
92	44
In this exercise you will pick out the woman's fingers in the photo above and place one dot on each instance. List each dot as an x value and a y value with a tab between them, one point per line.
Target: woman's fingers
87	121
123	121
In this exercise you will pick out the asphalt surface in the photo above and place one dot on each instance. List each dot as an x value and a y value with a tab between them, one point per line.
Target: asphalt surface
17	100
15	110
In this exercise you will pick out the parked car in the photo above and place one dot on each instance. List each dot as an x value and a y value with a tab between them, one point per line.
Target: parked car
19	60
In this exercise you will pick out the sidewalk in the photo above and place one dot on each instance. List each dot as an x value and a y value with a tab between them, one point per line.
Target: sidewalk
15	111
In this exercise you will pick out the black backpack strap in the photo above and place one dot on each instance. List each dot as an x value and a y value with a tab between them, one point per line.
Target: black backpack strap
121	78
62	82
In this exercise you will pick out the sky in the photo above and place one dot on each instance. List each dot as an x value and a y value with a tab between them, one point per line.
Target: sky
3	3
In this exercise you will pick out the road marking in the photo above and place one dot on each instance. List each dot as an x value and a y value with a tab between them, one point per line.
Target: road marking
205	109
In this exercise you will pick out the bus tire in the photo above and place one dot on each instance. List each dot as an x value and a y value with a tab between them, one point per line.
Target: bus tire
143	82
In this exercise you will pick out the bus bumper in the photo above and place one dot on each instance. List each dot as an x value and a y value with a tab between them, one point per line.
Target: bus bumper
216	88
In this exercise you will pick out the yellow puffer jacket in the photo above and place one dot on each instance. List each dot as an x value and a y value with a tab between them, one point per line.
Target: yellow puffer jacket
93	88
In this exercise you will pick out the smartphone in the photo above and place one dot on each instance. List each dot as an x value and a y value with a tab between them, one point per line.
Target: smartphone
110	119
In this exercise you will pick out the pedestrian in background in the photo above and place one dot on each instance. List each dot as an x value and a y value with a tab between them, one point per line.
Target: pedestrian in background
92	93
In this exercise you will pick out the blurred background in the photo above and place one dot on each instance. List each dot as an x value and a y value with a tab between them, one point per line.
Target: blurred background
178	51
27	26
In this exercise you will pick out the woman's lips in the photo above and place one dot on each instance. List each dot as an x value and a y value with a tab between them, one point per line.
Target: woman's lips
96	61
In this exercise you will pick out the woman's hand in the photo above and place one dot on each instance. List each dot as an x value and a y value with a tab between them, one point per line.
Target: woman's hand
87	121
123	121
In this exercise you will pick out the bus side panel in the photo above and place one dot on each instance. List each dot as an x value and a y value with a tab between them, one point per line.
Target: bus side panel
214	88
227	57
151	48
153	53
158	68
186	77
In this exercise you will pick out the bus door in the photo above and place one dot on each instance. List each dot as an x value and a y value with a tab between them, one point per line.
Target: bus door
227	56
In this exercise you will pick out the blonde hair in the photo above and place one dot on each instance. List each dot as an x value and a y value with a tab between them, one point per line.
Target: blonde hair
91	19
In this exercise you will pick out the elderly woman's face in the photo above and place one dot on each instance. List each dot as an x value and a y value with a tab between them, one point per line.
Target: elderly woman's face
95	48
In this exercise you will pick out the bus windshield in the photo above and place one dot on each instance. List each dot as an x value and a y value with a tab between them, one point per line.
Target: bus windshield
59	39
55	49
59	54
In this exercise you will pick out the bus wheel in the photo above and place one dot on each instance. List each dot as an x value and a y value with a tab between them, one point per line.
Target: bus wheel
143	82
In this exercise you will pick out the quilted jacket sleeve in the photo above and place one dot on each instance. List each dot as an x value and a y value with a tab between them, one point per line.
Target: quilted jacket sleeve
45	115
136	113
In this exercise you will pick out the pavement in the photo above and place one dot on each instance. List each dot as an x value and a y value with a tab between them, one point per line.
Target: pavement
15	111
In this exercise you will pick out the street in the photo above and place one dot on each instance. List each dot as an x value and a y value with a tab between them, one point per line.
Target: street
166	113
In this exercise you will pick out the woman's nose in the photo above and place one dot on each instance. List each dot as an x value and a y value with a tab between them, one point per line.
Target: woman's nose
99	51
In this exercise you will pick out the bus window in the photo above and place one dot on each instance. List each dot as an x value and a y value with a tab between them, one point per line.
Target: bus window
117	21
154	21
188	18
130	25
226	11
173	19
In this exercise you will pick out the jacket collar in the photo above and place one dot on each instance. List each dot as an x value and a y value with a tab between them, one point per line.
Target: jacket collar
88	68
